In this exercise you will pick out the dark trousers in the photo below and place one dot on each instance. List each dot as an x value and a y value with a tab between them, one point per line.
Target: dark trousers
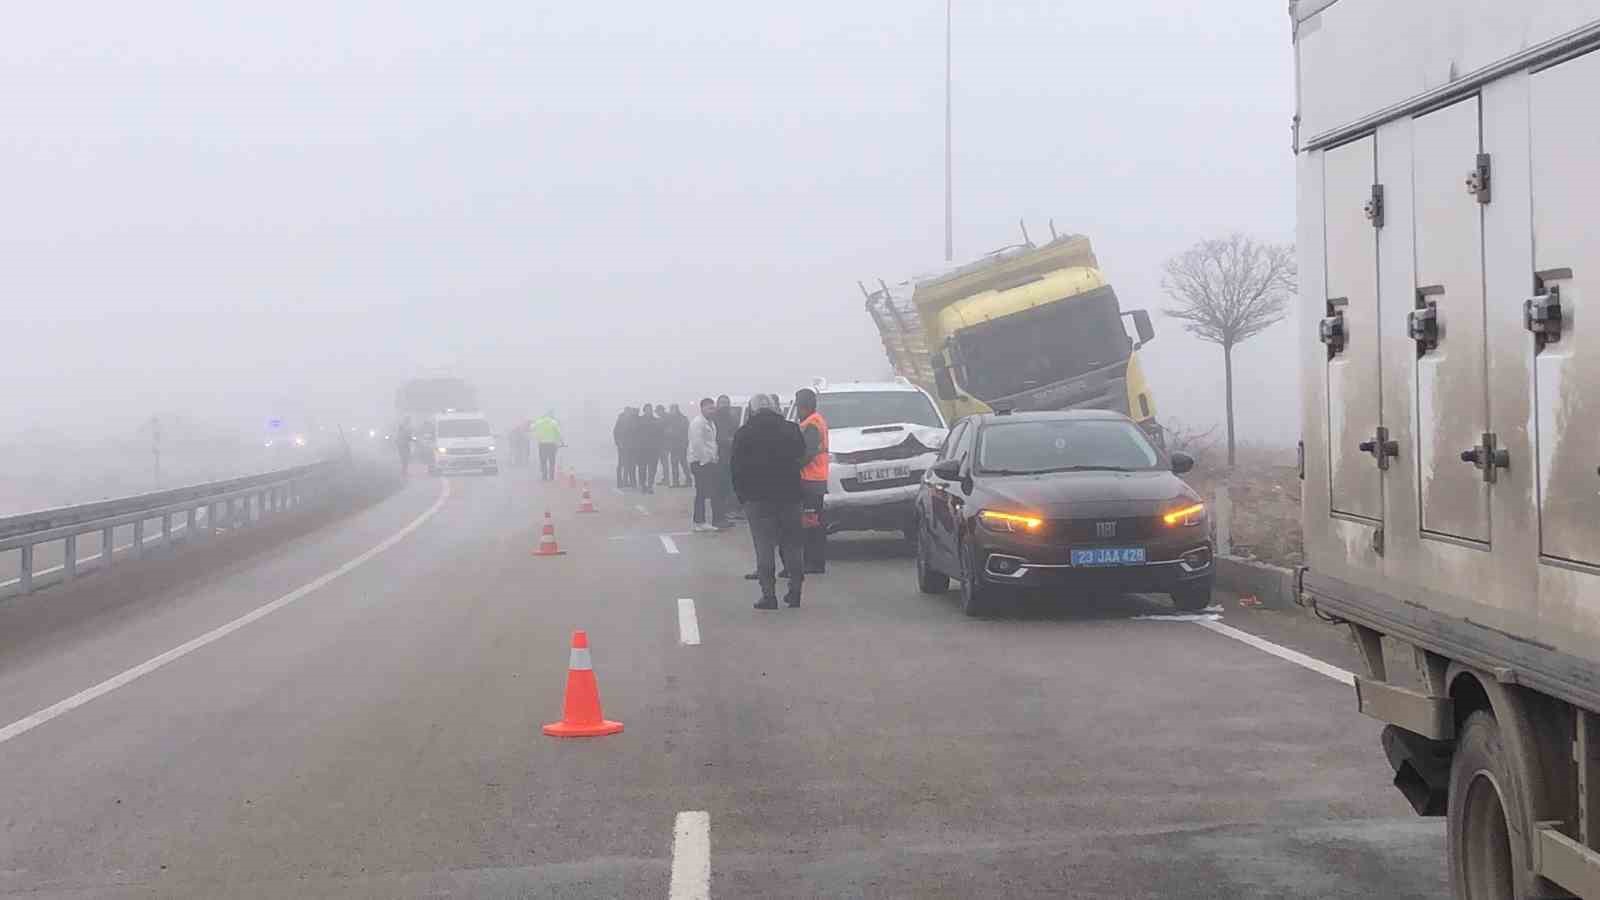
816	538
707	489
547	461
776	526
626	470
647	472
679	469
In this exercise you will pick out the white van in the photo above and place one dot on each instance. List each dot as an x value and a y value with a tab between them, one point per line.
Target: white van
460	442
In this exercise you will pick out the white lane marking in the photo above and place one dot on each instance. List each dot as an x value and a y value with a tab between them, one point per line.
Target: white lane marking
618	492
641	509
640	537
25	725
688	623
1294	656
670	545
691	857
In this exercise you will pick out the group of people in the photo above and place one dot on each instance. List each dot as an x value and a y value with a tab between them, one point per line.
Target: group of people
652	447
778	473
545	432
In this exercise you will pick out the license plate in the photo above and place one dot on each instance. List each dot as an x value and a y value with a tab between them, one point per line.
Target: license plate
1108	556
882	473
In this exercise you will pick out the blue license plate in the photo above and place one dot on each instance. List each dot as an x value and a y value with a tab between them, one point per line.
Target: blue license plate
1108	556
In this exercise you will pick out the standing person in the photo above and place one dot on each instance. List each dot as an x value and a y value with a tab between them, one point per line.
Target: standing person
678	446
666	442
402	445
622	434
765	467
702	454
727	424
547	434
813	477
519	444
647	448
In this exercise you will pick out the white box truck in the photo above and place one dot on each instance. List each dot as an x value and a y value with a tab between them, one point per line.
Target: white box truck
1448	168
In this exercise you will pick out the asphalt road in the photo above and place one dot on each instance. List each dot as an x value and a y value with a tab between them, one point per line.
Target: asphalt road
378	736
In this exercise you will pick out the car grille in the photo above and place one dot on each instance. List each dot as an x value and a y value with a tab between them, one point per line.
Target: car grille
852	485
465	451
1087	531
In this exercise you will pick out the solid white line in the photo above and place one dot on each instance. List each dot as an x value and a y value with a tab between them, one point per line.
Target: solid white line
691	857
1294	656
25	725
688	624
669	544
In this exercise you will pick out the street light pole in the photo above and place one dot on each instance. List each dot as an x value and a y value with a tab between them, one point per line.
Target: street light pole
949	222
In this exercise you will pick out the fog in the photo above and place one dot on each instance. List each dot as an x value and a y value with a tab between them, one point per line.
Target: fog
228	215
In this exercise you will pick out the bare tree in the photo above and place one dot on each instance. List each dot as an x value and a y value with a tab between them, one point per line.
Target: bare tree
1227	291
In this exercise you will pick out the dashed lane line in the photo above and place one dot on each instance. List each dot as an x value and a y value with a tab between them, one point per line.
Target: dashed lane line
691	857
668	544
688	623
25	725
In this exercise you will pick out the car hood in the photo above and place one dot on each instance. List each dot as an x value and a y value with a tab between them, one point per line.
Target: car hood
465	443
1061	495
879	437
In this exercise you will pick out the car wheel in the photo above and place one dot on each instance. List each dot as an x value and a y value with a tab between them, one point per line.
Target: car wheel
1191	599
929	581
977	598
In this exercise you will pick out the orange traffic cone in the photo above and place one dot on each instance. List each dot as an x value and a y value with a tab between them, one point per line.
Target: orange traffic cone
547	540
580	713
586	505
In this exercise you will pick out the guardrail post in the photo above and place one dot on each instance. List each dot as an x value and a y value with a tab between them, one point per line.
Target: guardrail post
108	545
191	523
1224	521
166	529
138	539
25	569
69	553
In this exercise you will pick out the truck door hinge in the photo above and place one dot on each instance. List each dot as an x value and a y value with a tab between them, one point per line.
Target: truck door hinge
1331	329
1381	448
1422	323
1488	457
1478	179
1374	206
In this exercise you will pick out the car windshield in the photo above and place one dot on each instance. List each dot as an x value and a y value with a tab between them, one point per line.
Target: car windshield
1063	445
460	428
863	409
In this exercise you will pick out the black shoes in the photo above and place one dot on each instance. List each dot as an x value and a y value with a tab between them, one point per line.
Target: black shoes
767	603
792	601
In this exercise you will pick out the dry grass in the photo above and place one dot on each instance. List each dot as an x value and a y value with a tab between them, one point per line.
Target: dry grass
1265	489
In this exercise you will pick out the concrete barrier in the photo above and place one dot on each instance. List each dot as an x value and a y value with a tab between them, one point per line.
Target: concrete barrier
1273	584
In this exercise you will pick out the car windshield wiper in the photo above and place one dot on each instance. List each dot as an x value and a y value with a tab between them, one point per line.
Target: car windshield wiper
1090	469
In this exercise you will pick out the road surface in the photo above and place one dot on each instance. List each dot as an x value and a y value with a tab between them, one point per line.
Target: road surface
375	731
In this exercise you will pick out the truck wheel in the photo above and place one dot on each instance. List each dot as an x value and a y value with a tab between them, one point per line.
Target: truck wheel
1486	836
1191	599
929	581
977	598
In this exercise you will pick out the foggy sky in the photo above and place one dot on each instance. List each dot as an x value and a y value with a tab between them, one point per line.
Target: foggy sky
225	213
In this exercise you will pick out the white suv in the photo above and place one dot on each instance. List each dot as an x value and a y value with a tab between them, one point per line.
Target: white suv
882	436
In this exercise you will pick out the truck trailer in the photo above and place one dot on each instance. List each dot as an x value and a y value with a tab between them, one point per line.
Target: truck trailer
1451	409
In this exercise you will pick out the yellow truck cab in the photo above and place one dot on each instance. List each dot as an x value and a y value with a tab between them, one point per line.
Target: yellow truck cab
1025	328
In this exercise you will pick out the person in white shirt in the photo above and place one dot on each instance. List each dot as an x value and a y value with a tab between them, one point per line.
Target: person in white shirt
706	465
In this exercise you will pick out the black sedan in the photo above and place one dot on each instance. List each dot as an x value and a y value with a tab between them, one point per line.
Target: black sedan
1070	499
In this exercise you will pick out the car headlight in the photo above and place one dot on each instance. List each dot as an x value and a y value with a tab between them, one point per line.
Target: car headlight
1193	514
1009	523
438	451
491	448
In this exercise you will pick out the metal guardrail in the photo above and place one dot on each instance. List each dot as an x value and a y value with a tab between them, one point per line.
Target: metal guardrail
206	509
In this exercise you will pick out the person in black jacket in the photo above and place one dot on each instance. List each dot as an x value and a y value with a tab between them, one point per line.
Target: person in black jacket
622	433
647	444
765	461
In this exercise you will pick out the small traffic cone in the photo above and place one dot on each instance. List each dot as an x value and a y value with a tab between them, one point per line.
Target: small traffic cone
547	539
580	713
572	479
586	505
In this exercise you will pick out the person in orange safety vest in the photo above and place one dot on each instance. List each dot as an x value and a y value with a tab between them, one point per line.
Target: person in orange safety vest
813	478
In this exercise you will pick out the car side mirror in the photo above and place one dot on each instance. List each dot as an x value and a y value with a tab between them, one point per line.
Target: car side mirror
1181	462
948	469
